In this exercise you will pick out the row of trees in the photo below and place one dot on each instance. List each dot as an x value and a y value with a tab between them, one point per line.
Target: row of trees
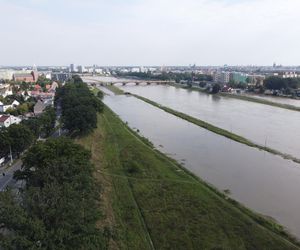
278	83
169	76
19	137
79	106
60	201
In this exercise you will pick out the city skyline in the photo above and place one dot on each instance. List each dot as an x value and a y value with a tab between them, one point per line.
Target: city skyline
218	32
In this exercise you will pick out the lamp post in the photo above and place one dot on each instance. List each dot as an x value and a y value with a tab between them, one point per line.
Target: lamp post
10	154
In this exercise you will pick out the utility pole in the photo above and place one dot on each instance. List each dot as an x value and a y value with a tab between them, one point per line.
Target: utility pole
10	152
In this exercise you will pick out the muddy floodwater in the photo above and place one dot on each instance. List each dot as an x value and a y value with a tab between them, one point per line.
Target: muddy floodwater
274	127
266	183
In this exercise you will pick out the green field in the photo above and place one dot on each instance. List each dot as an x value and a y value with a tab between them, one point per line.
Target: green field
151	202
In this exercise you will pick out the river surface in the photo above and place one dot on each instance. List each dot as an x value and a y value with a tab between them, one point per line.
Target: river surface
274	127
261	181
277	99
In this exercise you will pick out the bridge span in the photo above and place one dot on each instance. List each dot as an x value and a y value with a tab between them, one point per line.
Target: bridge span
125	82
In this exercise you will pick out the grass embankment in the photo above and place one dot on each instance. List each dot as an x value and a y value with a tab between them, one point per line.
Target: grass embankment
261	101
245	98
217	130
159	205
114	89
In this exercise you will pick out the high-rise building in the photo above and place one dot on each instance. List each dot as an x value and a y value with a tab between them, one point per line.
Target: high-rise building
221	77
81	69
72	68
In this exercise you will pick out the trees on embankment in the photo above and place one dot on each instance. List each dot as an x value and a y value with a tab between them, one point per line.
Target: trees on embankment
79	106
58	207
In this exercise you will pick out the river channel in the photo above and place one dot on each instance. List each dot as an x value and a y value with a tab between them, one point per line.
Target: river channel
266	125
266	183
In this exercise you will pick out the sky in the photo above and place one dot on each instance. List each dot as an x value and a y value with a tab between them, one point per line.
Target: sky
149	32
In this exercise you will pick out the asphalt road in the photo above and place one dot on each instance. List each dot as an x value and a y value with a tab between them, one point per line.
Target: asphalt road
7	179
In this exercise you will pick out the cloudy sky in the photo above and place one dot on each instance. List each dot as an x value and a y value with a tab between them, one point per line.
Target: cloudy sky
149	32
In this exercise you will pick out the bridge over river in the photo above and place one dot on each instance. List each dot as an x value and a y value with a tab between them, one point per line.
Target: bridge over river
112	81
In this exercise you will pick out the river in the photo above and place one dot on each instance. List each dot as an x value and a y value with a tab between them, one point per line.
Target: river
274	127
277	99
261	181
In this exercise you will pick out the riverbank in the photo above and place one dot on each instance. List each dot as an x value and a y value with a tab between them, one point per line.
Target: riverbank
217	130
114	89
244	98
150	193
261	101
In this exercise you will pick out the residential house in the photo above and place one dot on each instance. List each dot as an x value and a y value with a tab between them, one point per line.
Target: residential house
40	106
4	108
7	120
5	90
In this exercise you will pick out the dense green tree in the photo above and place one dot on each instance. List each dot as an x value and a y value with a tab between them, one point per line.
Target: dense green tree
79	106
80	119
277	83
5	141
100	94
47	121
34	125
21	137
60	202
216	88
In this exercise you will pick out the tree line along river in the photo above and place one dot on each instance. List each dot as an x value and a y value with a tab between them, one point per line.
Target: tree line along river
262	181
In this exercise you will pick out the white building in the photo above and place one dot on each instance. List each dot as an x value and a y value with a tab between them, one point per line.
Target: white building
7	120
4	108
81	69
289	75
6	74
5	90
221	77
135	70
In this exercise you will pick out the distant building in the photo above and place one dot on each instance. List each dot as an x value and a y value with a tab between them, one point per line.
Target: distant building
5	90
39	107
6	74
61	77
221	77
238	77
289	75
135	70
73	68
81	69
26	77
4	108
41	104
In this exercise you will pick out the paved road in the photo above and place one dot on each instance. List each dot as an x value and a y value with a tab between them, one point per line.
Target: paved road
7	180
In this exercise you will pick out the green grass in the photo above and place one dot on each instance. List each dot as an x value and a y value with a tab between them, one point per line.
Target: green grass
157	204
114	89
261	101
217	130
